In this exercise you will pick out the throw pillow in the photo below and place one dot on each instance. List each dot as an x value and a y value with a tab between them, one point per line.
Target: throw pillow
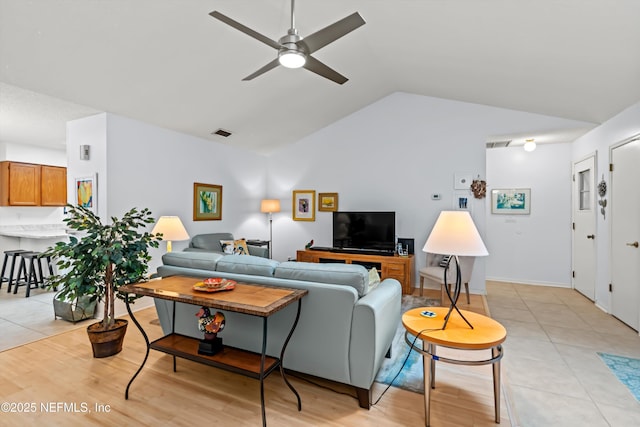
374	278
240	246
227	246
234	247
445	261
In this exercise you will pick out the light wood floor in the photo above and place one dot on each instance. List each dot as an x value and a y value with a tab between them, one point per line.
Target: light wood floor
63	385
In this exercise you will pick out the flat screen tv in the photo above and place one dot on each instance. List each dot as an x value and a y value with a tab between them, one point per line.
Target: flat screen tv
368	231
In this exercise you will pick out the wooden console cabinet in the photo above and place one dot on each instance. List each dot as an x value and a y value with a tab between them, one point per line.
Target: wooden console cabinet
394	267
27	184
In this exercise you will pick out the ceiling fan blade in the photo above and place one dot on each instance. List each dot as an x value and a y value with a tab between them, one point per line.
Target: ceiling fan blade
333	32
270	66
248	31
320	69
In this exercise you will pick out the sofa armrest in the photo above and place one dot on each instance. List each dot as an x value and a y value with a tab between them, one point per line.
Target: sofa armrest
261	251
376	317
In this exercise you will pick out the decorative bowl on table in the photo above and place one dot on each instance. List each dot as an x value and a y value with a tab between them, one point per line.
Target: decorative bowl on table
214	284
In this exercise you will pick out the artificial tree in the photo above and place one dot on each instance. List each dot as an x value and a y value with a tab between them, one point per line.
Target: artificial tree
104	258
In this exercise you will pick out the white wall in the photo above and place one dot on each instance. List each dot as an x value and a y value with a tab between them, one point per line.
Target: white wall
392	155
34	214
535	248
600	140
141	165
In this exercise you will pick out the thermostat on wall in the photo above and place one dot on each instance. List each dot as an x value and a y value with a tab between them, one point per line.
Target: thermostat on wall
436	196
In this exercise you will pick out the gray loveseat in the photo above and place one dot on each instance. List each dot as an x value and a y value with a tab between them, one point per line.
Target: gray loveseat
211	243
346	325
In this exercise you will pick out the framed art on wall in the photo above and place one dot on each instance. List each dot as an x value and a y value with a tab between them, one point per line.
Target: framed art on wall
328	202
514	201
304	205
207	202
87	192
462	181
462	201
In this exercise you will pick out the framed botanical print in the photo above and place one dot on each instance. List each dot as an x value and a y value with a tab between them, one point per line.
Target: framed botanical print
327	202
207	202
304	205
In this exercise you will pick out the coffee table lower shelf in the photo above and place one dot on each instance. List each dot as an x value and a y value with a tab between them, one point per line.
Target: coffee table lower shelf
229	358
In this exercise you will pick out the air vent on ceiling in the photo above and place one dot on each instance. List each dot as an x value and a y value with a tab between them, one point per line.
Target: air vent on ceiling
222	132
498	144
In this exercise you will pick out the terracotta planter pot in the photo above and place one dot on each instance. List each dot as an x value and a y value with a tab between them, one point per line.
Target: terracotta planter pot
107	343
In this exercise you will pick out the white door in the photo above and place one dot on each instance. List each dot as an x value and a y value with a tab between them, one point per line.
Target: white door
584	227
625	233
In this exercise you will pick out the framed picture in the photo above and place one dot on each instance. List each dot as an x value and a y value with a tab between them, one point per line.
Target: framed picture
207	202
514	201
87	192
462	181
328	202
462	201
304	205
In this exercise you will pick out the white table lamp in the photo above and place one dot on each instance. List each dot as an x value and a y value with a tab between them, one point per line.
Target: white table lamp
455	234
171	228
270	206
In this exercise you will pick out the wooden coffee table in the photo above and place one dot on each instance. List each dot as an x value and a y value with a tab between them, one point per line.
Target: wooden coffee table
246	298
487	334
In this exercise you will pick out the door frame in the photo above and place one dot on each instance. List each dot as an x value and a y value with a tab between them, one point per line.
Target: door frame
574	162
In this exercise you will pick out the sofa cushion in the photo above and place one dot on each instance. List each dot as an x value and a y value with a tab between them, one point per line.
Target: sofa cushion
246	264
352	275
198	260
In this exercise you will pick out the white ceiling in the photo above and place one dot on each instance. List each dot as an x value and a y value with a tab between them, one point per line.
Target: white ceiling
167	62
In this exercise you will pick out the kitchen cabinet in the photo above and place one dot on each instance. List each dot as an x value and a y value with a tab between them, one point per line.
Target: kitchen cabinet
53	186
28	184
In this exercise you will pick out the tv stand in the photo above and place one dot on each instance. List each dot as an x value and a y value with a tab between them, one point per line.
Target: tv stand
394	267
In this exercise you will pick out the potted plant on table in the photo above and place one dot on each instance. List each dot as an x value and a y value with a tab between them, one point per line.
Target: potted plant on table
106	257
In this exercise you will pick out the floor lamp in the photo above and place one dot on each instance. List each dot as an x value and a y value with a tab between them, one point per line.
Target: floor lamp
171	228
455	234
270	206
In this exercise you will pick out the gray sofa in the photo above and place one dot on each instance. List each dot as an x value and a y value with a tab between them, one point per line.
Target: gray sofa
346	325
211	243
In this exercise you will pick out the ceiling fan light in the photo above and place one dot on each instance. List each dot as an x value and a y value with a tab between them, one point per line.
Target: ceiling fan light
291	59
529	146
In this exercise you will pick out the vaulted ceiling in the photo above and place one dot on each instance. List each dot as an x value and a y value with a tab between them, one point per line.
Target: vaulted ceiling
167	62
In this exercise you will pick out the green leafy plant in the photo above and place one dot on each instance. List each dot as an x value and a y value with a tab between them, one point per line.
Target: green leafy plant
106	257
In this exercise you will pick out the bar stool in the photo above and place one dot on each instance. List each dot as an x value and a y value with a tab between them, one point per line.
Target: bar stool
14	254
29	277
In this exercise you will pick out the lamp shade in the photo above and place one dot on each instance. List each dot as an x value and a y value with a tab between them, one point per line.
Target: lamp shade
455	234
171	228
270	205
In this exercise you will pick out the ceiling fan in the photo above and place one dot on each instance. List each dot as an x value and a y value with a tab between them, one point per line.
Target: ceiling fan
295	51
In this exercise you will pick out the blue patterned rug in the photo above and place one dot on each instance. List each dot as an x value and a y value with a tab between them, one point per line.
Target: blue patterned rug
410	378
626	369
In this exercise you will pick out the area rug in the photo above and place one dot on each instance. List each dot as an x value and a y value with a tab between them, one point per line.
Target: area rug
626	369
408	377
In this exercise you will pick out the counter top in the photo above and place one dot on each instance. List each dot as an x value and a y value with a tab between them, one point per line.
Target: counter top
39	231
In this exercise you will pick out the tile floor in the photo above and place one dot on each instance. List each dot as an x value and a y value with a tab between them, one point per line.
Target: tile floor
551	368
24	320
552	372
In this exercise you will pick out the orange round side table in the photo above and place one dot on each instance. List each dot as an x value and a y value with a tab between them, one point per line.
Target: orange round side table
487	334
